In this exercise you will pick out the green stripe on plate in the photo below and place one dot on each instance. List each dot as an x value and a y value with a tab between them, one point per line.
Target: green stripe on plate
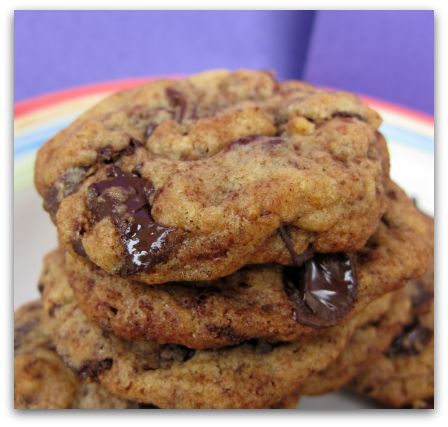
24	171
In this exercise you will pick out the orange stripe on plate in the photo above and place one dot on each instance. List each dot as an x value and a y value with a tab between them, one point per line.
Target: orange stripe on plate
385	105
24	107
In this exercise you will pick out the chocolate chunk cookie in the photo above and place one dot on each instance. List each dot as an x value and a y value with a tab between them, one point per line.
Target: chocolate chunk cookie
374	335
254	374
41	380
270	302
404	376
193	179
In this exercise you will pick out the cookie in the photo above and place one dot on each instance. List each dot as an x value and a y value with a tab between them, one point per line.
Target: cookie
193	179
258	302
404	376
254	374
368	342
41	380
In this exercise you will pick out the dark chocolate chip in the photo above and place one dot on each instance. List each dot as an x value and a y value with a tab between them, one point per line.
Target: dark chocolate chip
53	308
245	140
429	403
411	341
261	346
392	194
178	102
66	185
41	287
419	294
51	202
297	260
92	369
171	353
144	241
78	247
105	154
20	332
130	149
347	115
147	406
150	129
226	332
323	290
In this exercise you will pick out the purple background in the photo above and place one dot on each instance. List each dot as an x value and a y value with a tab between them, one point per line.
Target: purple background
387	54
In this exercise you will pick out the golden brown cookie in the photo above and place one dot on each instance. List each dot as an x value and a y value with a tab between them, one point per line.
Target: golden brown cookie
404	375
194	179
262	301
254	374
41	380
371	338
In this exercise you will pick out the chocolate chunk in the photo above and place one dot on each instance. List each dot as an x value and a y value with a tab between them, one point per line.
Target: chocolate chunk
178	102
130	149
106	154
411	341
429	403
41	287
20	332
261	346
78	247
419	294
245	140
150	129
171	353
53	308
147	406
66	185
323	290
297	260
226	332
347	115
92	369
124	199
51	202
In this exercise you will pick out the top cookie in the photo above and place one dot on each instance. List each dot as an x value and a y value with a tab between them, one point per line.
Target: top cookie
193	179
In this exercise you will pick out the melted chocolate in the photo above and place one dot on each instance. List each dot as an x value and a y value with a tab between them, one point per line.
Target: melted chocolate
297	260
66	185
144	241
171	353
178	102
347	115
147	406
411	341
92	369
323	290
419	294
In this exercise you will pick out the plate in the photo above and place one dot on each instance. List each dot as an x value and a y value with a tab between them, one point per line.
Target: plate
411	144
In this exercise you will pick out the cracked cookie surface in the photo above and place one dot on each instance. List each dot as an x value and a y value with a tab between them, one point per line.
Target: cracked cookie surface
256	302
193	179
255	374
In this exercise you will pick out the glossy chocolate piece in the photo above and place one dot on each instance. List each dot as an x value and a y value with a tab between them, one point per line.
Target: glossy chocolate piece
323	290
123	197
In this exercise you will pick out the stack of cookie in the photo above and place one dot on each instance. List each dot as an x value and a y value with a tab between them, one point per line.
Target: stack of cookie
225	241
